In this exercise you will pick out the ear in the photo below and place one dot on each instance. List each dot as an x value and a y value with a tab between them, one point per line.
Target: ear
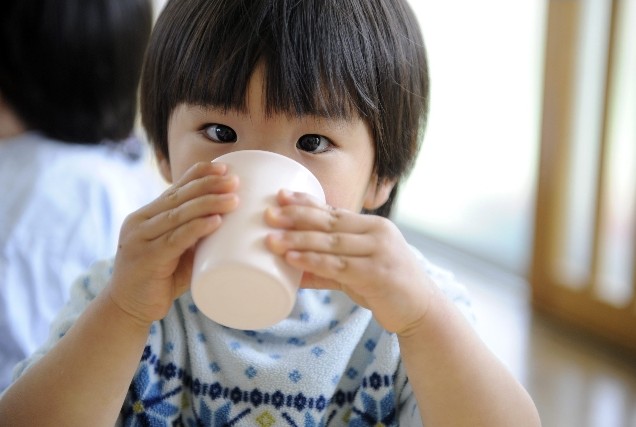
164	166
10	124
378	192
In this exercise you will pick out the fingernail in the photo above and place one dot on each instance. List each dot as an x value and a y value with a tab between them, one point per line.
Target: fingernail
277	217
228	178
275	211
219	167
276	237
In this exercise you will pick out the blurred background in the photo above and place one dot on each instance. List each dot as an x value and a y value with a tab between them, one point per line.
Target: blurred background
526	187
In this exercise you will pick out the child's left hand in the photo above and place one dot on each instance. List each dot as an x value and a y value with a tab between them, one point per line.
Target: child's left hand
365	256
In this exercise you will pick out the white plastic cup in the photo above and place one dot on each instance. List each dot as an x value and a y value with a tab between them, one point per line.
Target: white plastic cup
236	280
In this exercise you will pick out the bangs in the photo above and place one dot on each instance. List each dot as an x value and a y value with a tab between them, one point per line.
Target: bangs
300	48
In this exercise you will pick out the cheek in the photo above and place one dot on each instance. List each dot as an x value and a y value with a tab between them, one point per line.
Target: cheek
345	186
183	155
344	196
177	166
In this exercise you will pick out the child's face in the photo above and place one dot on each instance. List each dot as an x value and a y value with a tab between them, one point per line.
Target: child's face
339	153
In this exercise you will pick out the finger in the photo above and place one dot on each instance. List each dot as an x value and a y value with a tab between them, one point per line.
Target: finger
184	273
340	268
301	217
201	169
175	242
201	178
286	197
315	241
203	206
358	277
311	281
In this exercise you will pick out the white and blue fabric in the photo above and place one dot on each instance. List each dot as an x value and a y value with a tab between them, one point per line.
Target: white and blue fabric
328	364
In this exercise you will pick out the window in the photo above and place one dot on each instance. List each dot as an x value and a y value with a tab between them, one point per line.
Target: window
473	184
583	263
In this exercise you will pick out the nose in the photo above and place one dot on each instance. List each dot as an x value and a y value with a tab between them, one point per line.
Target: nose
274	145
276	133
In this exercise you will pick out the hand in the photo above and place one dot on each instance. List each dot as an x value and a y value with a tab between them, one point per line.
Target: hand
365	256
153	264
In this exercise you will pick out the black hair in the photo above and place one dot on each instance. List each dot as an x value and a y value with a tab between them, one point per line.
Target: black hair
335	58
70	69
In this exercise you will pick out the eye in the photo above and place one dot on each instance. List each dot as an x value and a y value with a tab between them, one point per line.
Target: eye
220	133
313	143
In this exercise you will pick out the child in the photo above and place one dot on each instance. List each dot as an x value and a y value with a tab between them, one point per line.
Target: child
70	165
374	339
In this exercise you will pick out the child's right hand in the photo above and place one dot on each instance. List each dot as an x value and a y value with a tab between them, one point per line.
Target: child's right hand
153	264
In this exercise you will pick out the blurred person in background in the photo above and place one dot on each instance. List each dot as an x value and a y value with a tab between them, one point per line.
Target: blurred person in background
71	165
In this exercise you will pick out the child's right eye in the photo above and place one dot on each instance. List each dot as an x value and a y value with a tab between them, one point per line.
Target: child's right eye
220	133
